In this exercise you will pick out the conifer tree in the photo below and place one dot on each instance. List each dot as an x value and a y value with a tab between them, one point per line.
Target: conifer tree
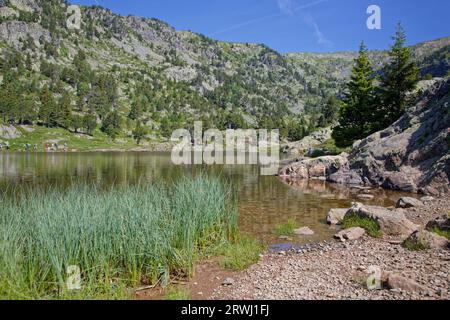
139	132
400	76
358	109
47	108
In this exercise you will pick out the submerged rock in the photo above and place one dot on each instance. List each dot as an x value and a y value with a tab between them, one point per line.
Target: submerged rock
304	231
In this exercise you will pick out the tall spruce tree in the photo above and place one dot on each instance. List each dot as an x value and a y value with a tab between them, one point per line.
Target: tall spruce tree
399	77
358	108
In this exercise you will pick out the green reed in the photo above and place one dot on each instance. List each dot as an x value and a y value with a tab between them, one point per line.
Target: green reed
119	238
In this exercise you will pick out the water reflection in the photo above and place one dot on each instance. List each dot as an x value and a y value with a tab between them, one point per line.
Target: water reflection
264	201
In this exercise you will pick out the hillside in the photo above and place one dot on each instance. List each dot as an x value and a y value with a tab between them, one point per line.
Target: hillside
117	71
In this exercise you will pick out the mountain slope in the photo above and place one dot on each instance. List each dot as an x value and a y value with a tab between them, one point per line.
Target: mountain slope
147	71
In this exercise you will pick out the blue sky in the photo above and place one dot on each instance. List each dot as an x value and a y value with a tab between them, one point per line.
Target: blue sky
294	25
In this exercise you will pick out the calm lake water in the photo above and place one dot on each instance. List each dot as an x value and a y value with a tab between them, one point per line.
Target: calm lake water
264	201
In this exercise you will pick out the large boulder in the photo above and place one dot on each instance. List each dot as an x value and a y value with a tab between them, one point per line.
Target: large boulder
335	216
397	282
350	234
392	223
429	239
408	202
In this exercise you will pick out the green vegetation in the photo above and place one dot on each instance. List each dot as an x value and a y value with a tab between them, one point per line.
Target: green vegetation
240	254
367	109
97	141
356	113
177	293
399	78
413	245
441	232
286	229
117	237
371	226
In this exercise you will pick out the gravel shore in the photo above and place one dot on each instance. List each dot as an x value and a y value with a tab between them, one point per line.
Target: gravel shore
334	270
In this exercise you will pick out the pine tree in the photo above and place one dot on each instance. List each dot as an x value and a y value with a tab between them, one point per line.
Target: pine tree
400	76
111	124
63	114
136	110
47	108
330	111
358	109
139	132
89	123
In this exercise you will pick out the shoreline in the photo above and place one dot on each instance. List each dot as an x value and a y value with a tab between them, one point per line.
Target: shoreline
339	270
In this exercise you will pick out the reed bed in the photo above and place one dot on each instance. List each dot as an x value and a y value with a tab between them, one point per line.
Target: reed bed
119	238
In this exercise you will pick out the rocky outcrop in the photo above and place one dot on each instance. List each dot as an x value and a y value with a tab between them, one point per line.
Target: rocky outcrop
391	223
411	155
318	168
304	146
9	132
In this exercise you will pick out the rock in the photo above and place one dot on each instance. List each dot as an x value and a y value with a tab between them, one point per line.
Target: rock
442	223
429	239
391	223
9	132
335	216
426	199
313	168
396	282
307	143
366	196
408	202
411	155
228	282
304	231
350	234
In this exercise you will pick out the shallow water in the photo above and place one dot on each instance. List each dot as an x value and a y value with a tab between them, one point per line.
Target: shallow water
263	201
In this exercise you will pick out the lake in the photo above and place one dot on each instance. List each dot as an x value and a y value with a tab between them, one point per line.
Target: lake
263	201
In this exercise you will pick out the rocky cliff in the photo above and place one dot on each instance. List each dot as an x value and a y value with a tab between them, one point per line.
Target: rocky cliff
413	154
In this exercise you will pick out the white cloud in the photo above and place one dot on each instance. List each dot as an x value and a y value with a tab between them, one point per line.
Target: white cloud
287	6
320	36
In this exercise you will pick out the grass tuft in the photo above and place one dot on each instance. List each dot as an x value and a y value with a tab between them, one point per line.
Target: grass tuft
286	229
440	232
413	245
371	226
240	254
177	293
